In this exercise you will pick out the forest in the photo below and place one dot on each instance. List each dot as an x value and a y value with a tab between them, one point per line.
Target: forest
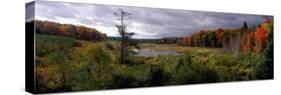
76	58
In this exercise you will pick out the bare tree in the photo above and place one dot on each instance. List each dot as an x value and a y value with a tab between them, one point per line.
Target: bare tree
122	31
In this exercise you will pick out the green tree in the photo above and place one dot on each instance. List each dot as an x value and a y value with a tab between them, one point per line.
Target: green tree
245	26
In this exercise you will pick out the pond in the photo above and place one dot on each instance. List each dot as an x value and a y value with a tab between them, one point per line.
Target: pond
151	53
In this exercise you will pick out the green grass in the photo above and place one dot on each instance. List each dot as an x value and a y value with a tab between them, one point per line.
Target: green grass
67	64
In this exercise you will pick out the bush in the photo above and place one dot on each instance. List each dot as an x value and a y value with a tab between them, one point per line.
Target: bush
227	60
204	73
230	66
184	75
157	76
134	60
46	44
187	72
264	69
109	45
123	81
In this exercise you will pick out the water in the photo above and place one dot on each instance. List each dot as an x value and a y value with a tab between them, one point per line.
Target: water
148	53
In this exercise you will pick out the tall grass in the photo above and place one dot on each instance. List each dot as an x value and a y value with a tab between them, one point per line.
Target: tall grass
67	64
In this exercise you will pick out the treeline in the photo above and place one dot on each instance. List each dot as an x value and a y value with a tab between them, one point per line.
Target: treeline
170	40
78	32
244	39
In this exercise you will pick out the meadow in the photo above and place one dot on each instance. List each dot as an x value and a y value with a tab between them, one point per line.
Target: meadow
69	64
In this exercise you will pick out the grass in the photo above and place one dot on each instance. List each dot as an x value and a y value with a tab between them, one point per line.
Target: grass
64	64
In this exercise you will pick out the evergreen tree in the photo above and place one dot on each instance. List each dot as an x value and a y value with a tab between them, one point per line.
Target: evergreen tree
245	26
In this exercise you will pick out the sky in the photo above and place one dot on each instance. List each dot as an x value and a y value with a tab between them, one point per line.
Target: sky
146	23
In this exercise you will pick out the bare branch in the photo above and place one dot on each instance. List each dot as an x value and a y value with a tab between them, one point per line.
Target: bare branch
116	14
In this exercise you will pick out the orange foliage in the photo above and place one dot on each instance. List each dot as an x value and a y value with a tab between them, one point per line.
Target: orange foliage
256	41
247	40
260	39
219	33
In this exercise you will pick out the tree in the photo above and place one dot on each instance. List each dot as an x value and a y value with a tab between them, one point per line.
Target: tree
260	39
219	33
245	26
69	30
122	31
264	69
212	39
186	41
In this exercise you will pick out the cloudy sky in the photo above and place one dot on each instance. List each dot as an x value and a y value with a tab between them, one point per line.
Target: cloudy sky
145	22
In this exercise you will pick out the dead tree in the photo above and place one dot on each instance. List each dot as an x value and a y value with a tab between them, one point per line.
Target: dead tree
122	31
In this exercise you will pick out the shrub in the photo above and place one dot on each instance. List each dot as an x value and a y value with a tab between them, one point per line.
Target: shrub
109	45
123	81
46	44
134	60
184	75
264	69
157	76
187	72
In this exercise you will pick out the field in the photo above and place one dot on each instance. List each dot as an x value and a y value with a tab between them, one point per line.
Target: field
68	64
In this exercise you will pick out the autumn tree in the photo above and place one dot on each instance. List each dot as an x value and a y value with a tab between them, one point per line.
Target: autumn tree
261	36
186	41
75	31
245	39
264	69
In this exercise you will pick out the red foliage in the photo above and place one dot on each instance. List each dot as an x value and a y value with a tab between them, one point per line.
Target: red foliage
260	39
268	21
247	45
79	32
245	40
186	41
219	33
61	31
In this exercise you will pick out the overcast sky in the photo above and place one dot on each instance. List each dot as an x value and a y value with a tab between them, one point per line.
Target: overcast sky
145	22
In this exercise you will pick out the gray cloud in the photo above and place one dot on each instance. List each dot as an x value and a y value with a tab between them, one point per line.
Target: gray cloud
30	11
145	22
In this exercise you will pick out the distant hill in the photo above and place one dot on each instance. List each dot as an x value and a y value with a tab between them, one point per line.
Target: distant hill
69	30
